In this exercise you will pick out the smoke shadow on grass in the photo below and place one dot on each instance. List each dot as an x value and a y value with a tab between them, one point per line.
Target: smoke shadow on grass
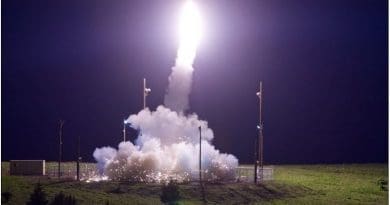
207	193
242	193
203	191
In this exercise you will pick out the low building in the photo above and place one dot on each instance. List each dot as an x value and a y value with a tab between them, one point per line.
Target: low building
27	167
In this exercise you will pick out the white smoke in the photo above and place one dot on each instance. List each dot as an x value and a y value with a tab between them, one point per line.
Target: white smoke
169	127
179	88
168	143
167	148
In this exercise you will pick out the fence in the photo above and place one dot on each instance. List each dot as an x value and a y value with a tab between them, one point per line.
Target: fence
244	173
69	169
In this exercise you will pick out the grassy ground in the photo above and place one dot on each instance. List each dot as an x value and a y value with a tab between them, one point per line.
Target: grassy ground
298	184
336	184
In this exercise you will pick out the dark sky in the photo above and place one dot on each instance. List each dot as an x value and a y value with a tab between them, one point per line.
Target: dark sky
323	64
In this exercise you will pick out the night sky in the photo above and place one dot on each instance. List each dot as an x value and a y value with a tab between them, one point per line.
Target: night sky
323	65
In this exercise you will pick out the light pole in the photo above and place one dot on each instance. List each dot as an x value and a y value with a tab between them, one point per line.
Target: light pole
256	159
260	128
124	130
78	159
200	154
146	92
60	148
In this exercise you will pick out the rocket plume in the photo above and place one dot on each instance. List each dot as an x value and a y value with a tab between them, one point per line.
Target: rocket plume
168	144
180	80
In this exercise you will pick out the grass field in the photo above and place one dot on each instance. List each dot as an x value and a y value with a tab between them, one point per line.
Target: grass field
292	184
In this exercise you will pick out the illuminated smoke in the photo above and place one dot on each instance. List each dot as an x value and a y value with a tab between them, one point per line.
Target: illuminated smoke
179	88
167	148
180	80
168	143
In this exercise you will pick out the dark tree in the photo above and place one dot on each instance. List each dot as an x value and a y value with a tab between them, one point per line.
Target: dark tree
38	197
383	184
62	199
170	193
5	197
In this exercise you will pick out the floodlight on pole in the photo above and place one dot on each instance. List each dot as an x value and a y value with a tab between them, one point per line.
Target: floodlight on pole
124	130
146	92
260	126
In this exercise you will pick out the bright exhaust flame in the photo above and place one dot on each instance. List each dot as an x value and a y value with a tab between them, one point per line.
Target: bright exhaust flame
190	33
180	80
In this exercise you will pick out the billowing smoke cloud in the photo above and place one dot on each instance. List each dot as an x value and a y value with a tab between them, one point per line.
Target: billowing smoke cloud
169	127
167	147
168	142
